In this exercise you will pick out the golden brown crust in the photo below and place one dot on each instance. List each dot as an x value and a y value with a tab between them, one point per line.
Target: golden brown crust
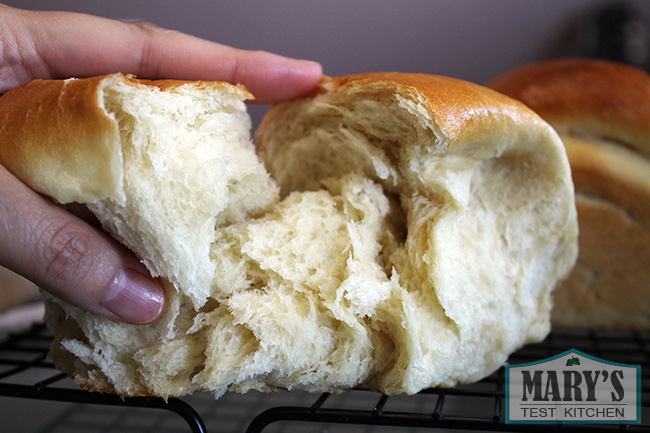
455	112
42	115
458	106
594	97
169	85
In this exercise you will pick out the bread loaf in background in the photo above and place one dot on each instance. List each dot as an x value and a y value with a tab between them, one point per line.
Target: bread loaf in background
602	113
397	232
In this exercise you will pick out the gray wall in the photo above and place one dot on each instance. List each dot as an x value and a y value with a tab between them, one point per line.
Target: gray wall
469	39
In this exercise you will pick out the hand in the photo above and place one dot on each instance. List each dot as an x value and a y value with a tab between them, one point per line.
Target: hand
62	253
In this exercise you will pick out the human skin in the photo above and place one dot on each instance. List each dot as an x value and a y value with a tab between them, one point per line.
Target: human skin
63	252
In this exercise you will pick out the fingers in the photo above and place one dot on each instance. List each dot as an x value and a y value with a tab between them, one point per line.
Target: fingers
72	259
269	77
61	45
60	252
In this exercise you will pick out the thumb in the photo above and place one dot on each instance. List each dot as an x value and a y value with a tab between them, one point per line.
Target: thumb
71	259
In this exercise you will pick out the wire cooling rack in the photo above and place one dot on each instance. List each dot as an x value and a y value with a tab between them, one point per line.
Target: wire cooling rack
26	373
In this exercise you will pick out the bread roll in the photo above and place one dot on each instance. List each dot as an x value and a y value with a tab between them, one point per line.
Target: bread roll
602	113
404	232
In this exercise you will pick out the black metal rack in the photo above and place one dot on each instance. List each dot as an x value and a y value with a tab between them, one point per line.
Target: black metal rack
476	407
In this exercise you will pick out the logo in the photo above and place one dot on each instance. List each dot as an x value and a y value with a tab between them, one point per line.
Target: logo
573	387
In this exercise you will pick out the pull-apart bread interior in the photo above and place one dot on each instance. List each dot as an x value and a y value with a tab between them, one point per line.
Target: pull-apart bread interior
396	231
602	113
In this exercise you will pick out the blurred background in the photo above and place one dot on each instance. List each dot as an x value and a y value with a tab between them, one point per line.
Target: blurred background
470	39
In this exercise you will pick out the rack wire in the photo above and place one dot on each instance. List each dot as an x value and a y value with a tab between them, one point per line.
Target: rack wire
26	373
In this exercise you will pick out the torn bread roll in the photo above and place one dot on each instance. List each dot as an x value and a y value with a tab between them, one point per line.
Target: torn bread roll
398	231
602	113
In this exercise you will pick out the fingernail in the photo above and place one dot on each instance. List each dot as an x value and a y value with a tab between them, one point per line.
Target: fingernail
134	297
